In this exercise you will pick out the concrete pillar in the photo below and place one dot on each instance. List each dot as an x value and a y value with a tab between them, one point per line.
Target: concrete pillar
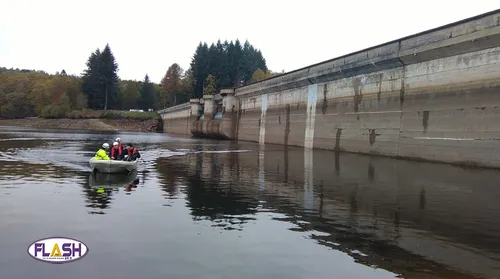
195	114
195	108
209	107
229	101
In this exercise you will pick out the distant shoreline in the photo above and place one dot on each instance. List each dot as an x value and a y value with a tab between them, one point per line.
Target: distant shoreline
93	124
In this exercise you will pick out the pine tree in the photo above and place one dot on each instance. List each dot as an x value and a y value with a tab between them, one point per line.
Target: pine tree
232	64
109	78
147	94
199	66
100	80
90	78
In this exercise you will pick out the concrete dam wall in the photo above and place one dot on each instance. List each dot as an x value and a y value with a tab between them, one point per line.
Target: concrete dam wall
432	96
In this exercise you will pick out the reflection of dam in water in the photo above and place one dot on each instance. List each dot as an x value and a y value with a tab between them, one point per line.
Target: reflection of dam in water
410	218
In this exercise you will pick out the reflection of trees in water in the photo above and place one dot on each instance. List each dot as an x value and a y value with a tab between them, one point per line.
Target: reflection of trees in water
360	242
219	203
208	195
168	174
228	199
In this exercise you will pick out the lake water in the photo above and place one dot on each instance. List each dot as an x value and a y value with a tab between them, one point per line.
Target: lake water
218	209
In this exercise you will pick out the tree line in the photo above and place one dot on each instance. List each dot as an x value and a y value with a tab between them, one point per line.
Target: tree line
25	93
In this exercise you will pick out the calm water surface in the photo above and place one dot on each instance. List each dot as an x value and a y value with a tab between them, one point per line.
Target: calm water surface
208	209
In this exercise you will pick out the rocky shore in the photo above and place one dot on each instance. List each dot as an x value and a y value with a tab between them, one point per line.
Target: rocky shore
128	125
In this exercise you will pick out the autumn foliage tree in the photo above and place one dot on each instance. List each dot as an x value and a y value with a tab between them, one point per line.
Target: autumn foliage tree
26	93
210	85
172	85
259	75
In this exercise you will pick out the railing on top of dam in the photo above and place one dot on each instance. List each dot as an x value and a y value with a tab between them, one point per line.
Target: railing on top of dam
175	108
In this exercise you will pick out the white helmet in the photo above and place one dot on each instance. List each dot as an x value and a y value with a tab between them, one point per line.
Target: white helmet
105	145
115	143
117	139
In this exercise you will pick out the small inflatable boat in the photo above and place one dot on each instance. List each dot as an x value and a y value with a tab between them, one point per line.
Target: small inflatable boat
112	166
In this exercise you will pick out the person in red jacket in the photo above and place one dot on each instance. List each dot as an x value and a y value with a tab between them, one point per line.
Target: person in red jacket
120	145
132	153
116	152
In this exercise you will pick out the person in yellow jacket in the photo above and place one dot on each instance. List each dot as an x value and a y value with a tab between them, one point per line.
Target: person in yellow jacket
101	153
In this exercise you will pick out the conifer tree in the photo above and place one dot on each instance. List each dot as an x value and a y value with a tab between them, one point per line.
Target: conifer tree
100	80
109	78
90	77
147	94
232	63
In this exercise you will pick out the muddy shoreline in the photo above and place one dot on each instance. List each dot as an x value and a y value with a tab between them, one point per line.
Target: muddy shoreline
112	125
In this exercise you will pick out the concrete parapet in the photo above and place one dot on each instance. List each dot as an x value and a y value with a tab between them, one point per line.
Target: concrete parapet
176	119
195	108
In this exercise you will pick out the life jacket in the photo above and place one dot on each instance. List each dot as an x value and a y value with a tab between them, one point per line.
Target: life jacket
101	155
132	152
113	150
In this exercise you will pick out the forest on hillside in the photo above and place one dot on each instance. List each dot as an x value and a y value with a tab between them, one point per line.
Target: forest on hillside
28	93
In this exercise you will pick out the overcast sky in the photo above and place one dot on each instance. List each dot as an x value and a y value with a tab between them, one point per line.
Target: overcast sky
147	36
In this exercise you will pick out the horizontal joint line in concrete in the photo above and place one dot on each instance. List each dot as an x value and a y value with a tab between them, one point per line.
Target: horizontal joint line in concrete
374	112
455	139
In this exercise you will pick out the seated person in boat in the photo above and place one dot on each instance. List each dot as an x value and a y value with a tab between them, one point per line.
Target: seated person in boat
120	146
116	152
132	153
101	153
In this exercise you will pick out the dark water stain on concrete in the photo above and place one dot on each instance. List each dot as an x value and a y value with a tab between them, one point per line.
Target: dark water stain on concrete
425	120
287	125
358	94
237	127
286	163
371	172
325	102
337	162
372	136
402	91
234	123
379	84
337	139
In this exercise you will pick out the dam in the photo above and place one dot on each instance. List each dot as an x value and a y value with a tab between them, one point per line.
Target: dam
429	96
